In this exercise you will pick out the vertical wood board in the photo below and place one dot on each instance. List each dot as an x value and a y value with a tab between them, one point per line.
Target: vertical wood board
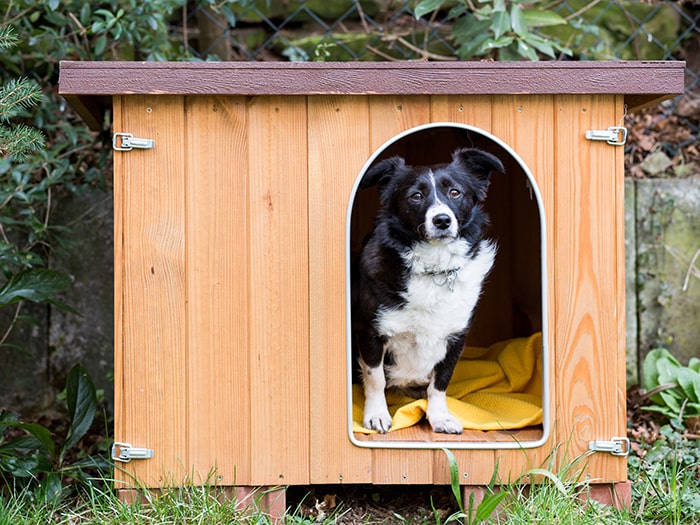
218	317
337	149
587	284
525	123
153	333
279	290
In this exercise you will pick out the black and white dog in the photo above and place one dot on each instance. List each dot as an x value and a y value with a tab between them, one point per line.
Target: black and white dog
419	278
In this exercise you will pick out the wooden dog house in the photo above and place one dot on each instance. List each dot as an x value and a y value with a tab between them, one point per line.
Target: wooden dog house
235	200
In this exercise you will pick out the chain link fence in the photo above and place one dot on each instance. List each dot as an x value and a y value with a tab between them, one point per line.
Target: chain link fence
381	30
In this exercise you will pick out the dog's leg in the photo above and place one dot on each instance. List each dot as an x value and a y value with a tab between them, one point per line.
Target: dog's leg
438	414
376	415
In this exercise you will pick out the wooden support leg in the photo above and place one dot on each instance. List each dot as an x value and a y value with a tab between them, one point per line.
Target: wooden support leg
618	495
271	500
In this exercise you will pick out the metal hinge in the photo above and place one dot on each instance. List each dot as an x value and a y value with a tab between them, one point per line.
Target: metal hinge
617	446
615	135
124	452
127	142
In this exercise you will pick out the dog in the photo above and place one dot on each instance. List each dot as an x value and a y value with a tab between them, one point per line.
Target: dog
419	278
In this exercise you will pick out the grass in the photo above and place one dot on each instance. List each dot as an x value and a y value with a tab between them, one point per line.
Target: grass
666	490
189	505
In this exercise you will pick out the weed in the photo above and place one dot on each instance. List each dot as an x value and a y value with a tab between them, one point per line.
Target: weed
666	479
472	514
34	464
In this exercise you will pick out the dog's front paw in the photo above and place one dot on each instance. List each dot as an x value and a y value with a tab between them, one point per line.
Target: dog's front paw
379	421
445	424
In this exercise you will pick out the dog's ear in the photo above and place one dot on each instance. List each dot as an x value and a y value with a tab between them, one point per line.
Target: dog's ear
480	164
381	172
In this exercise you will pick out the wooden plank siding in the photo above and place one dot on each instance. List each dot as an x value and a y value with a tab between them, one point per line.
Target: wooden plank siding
151	372
244	244
589	282
231	246
339	146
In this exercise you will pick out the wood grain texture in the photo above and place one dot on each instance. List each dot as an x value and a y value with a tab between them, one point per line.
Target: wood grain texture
279	290
589	337
152	267
338	148
526	124
218	402
120	406
230	276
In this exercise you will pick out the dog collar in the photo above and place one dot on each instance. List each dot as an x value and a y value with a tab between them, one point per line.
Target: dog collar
444	277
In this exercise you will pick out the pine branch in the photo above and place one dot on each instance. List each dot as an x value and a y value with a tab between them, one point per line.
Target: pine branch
7	37
19	94
19	140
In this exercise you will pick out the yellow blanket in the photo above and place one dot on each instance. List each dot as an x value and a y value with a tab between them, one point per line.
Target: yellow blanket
493	388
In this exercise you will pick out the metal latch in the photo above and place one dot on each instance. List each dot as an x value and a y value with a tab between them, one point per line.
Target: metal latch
124	452
617	446
127	142
615	135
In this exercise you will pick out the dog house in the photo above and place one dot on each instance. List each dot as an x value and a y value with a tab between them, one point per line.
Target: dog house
238	216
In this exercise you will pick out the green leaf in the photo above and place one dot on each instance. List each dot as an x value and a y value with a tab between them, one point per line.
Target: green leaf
694	364
35	284
50	488
650	369
689	381
454	477
542	45
82	404
427	6
85	14
542	18
500	23
229	15
517	20
488	505
668	367
527	51
661	410
672	399
549	475
100	44
40	432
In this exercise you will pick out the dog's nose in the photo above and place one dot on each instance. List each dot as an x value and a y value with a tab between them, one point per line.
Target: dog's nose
442	221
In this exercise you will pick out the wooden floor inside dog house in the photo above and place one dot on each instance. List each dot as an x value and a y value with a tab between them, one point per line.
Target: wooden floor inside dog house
512	302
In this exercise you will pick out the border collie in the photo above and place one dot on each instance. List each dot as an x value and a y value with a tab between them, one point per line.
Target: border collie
419	278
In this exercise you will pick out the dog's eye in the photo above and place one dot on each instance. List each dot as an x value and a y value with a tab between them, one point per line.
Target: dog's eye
416	197
454	193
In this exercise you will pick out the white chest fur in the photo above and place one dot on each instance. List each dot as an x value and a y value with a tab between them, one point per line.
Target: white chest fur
442	290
